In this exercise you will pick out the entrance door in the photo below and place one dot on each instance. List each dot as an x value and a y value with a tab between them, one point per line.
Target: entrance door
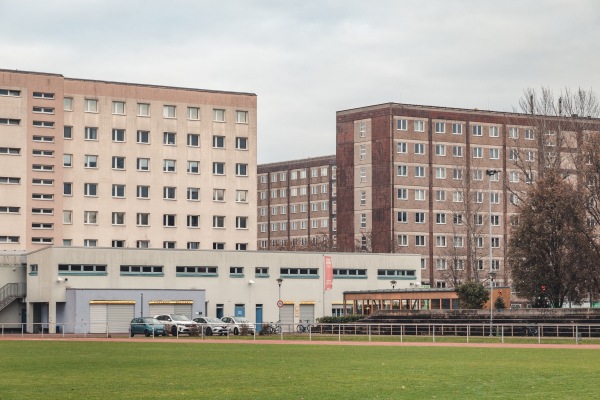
259	317
220	311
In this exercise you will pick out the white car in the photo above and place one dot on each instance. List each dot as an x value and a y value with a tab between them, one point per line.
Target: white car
212	326
176	324
239	325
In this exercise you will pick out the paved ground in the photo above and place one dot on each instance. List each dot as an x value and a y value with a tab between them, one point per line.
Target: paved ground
296	342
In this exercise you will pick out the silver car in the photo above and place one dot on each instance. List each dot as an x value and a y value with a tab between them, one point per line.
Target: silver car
176	324
212	326
239	325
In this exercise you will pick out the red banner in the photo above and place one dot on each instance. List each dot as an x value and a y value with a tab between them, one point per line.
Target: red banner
328	273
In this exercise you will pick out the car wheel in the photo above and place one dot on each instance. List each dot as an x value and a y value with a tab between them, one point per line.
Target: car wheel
131	332
174	331
209	332
164	333
146	332
236	331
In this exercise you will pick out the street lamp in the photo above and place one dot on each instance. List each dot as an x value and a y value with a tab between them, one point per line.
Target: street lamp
489	173
393	283
279	282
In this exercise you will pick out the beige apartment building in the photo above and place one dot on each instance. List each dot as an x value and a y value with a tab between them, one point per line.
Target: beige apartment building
297	205
110	164
442	182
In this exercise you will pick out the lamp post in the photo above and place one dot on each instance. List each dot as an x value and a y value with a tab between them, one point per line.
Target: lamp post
279	282
489	173
393	283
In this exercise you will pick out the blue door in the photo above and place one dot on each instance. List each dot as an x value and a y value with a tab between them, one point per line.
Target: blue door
220	311
259	317
240	310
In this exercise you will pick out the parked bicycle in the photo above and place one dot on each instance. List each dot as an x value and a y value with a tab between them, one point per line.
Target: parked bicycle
301	328
272	328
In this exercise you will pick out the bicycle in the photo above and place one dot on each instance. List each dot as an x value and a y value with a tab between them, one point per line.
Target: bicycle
301	328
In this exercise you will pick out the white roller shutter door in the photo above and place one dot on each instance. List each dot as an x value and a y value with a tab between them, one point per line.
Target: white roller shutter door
287	318
184	309
307	312
156	309
98	318
119	316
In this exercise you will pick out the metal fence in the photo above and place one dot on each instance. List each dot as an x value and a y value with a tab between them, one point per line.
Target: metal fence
392	332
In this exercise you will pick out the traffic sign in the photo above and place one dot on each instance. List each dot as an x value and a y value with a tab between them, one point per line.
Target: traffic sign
279	303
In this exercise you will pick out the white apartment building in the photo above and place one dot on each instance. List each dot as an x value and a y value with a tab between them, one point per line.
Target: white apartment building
109	164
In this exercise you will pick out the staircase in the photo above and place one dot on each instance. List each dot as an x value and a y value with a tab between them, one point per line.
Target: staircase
11	292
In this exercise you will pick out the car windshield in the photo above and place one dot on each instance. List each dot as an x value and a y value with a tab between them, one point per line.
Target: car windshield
152	321
213	320
179	317
241	320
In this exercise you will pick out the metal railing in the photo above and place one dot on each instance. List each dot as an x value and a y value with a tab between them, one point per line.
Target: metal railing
387	332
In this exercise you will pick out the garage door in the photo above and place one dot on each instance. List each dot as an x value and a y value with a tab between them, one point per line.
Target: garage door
307	312
184	309
114	317
287	317
172	308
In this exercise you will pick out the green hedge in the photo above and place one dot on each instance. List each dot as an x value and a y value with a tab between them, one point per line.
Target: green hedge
339	320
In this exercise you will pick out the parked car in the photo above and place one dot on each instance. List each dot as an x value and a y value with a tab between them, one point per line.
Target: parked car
212	326
148	326
176	324
238	325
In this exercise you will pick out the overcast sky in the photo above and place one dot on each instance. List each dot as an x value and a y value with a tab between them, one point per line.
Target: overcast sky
308	59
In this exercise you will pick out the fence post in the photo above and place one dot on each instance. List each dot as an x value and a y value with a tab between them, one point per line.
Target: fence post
433	334
468	331
340	332
502	327
369	330
401	327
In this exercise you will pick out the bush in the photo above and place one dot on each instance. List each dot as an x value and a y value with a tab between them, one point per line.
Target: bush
345	319
472	295
499	303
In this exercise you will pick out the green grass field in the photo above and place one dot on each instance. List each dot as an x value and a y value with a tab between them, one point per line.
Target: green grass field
108	370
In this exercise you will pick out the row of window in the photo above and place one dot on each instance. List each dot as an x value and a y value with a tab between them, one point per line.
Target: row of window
282	226
298	191
441	241
441	264
141	244
282	209
457	151
296	174
440	195
440	218
457	129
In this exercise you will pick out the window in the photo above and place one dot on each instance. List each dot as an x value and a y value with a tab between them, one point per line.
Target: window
457	174
43	110
143	137
363	198
118	162
193	221
45	139
37	181
193	167
440	173
440	241
68	132
402	194
419	148
402	217
118	218
494	153
169	165
10	150
241	143
513	133
440	218
219	194
11	121
494	131
169	138
241	169
193	113
513	176
9	92
478	219
419	126
42	196
457	219
143	192
401	147
67	160
495	242
457	196
169	220
441	265
219	168
90	189
419	172
457	129
420	217
420	194
440	127
529	134
193	140
218	142
362	129
42	167
363	220
118	135
495	220
218	221
241	196
156	270
90	105
9	239
495	198
169	193
10	180
440	195
193	193
420	240
477	152
43	211
241	222
440	150
477	175
241	117
118	107
513	154
191	246
143	164
402	240
529	155
143	109
169	245
90	217
478	197
91	133
39	124
218	115
118	191
142	219
477	130
402	124
169	111
457	151
67	217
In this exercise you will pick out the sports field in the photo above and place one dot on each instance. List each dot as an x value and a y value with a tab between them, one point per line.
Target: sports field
193	370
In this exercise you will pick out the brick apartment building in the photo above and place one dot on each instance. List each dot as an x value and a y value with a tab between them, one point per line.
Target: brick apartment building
422	180
296	205
109	164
